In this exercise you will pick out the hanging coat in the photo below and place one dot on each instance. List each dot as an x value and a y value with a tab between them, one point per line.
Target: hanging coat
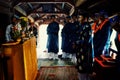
52	42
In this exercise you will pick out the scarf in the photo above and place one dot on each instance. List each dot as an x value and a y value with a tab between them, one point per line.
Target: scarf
95	29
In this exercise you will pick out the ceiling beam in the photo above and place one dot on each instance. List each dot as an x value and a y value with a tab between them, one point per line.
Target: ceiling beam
49	1
34	10
51	13
61	10
19	9
95	4
79	2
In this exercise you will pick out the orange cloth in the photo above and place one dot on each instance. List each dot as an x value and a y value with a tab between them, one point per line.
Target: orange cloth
95	29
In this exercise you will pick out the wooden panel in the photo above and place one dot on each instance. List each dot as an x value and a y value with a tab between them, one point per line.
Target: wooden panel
18	64
1	68
22	62
30	59
34	56
27	60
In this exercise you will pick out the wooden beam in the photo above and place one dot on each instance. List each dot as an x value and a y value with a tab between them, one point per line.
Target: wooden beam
50	1
51	13
20	10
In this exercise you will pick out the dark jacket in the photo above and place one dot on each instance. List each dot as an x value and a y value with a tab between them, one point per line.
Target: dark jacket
52	42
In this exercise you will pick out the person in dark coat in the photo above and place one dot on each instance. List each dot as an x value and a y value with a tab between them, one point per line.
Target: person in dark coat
52	42
102	31
74	37
84	49
67	38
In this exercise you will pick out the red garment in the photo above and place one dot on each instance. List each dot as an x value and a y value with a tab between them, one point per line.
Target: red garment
119	36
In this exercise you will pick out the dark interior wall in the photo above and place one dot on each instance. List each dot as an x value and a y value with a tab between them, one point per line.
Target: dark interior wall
1	69
6	12
4	20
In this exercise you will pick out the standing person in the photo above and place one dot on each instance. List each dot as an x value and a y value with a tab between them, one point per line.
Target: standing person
84	48
74	36
66	34
33	30
52	42
8	31
102	31
116	26
117	43
11	28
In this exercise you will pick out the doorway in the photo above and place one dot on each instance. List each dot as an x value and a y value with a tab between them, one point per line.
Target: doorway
42	41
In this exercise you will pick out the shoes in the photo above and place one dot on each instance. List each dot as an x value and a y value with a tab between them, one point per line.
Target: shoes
45	51
55	59
50	58
65	59
53	56
59	56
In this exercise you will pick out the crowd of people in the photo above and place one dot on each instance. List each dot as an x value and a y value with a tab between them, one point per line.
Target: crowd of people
83	38
18	28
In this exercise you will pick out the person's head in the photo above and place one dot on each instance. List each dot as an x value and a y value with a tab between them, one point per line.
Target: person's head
13	20
74	17
68	19
116	22
53	18
19	20
32	24
82	18
96	17
101	18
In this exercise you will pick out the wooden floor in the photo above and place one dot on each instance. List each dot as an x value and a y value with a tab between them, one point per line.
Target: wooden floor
59	62
56	70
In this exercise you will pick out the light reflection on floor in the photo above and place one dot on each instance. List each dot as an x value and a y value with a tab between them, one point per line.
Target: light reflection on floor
59	62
